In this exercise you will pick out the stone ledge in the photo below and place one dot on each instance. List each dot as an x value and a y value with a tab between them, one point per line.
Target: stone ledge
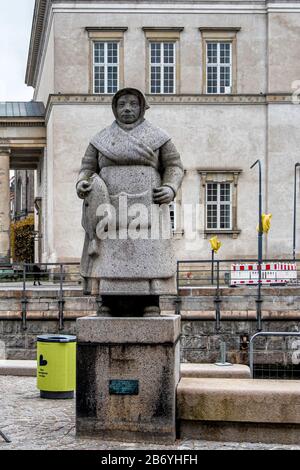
239	315
186	315
45	292
278	291
45	315
240	432
235	400
18	368
155	330
28	368
235	371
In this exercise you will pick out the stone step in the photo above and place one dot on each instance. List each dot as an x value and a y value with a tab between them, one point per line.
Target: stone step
28	368
239	409
18	368
234	371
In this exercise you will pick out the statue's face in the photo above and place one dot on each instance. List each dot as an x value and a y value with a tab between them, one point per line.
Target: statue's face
128	108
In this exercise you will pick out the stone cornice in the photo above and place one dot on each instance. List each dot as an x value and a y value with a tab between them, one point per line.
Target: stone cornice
251	99
177	29
179	6
219	170
22	122
36	143
219	28
106	28
40	15
4	147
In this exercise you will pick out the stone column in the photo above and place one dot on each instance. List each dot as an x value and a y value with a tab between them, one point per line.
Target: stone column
4	204
127	374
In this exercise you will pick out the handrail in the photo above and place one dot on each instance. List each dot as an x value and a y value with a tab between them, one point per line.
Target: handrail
24	300
266	333
25	268
210	278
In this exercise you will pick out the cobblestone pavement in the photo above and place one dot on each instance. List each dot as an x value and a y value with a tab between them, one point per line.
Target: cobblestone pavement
33	423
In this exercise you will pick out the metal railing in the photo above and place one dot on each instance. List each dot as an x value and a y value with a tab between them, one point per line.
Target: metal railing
216	274
285	366
53	276
191	274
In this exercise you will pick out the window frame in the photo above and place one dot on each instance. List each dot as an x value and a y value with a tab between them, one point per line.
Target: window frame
106	64
219	35
212	175
218	65
106	35
218	203
163	35
176	204
162	66
173	208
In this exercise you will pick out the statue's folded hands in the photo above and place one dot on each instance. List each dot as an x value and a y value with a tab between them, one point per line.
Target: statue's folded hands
163	195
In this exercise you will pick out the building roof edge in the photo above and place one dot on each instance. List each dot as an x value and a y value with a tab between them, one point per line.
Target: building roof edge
41	10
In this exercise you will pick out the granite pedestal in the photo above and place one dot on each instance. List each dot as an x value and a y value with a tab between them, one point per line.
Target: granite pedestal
127	374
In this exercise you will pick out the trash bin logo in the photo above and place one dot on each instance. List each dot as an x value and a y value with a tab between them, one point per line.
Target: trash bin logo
43	362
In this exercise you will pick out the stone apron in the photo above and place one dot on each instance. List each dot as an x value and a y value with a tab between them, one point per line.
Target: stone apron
126	264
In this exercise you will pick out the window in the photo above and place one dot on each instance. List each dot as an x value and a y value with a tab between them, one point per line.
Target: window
173	216
219	199
162	59
219	67
162	67
218	206
219	53
176	216
106	67
106	59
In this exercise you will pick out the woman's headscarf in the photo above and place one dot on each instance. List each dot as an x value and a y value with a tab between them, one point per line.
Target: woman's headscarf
143	103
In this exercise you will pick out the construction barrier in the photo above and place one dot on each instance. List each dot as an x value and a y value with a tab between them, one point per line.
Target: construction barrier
271	273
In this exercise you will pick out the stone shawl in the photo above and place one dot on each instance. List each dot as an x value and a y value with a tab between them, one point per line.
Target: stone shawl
134	147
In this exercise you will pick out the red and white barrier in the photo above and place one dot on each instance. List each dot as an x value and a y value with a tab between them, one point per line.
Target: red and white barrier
271	273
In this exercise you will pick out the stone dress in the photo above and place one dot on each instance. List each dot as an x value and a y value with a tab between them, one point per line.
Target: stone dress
129	164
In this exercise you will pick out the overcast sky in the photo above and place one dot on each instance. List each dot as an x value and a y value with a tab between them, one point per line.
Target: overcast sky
15	29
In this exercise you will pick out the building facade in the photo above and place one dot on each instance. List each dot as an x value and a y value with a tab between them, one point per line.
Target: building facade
222	77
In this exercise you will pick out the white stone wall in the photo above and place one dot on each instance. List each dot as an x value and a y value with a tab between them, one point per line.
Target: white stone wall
46	80
284	145
49	252
72	48
284	63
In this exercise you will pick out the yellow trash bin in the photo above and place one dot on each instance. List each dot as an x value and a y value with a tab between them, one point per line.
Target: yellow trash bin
56	366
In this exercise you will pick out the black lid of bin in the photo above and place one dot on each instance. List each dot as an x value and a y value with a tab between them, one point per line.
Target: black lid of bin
56	339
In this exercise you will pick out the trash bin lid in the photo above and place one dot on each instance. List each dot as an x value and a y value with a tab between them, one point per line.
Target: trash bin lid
56	339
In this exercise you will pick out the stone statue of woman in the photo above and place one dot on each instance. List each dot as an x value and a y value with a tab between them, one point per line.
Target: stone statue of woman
129	165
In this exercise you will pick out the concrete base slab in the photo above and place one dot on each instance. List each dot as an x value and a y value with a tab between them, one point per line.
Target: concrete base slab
235	371
239	410
239	400
127	373
18	368
240	432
